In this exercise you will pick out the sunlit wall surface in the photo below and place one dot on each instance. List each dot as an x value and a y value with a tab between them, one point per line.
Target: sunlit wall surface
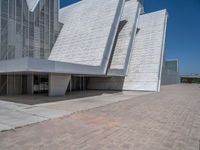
26	33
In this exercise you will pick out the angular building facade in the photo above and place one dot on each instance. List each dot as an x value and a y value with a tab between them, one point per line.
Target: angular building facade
90	45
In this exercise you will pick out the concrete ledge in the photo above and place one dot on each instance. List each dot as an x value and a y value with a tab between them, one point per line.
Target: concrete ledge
47	66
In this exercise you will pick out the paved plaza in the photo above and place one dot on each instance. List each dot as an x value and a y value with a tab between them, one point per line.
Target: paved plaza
19	111
169	120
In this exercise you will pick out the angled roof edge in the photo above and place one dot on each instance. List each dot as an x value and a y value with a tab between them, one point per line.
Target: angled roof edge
72	5
62	10
157	11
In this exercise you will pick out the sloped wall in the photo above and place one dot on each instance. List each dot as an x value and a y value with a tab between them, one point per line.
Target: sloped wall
146	63
145	67
88	32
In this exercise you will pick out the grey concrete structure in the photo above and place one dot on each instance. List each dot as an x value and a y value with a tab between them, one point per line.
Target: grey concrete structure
58	84
89	41
170	72
82	39
145	66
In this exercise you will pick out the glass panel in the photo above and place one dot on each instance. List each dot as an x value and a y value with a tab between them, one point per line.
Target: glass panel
18	16
12	9
4	29
33	33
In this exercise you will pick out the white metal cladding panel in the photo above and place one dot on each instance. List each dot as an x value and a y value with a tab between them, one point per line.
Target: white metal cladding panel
124	41
37	42
146	62
85	33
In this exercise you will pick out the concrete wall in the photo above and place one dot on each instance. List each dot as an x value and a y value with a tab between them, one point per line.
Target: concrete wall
148	49
58	84
170	77
125	37
88	33
107	83
170	72
145	66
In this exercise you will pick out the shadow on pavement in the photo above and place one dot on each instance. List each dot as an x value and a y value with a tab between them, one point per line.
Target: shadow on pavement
43	98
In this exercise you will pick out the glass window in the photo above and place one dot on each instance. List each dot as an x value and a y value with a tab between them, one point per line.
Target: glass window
18	16
12	9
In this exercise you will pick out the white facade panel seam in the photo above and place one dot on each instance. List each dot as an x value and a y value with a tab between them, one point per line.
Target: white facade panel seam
163	49
112	35
129	56
125	37
147	50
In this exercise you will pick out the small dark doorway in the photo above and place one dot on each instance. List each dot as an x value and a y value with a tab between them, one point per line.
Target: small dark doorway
40	84
24	84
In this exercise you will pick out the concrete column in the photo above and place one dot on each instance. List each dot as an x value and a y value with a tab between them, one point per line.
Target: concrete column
58	84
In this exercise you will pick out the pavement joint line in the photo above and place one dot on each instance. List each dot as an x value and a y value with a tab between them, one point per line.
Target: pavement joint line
21	111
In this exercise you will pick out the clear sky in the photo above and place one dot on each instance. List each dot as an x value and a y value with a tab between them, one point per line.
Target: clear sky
183	31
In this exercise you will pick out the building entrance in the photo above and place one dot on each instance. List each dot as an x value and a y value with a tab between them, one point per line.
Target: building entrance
22	84
40	84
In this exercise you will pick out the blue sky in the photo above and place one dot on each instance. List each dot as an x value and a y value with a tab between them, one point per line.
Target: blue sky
183	32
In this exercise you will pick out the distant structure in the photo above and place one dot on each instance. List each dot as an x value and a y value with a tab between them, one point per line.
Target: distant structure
92	44
195	78
170	72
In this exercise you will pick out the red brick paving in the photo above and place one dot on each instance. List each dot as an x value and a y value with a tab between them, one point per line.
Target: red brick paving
169	120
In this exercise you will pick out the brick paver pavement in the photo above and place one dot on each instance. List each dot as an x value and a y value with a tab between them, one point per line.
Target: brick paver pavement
169	120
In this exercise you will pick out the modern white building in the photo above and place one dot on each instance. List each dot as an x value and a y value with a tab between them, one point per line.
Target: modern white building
90	45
